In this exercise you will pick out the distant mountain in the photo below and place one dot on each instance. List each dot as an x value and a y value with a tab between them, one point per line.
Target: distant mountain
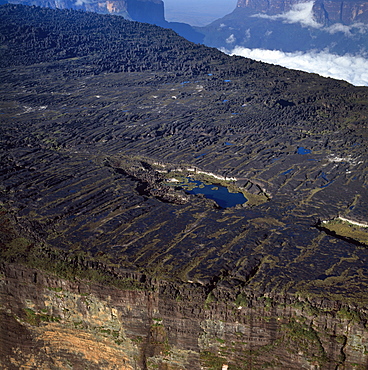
340	27
147	11
150	11
326	12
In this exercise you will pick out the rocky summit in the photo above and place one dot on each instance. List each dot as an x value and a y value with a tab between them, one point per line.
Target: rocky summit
118	142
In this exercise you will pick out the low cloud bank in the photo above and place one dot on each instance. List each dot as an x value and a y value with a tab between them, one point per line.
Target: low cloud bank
353	69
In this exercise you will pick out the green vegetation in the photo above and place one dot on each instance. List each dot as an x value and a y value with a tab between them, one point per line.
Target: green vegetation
58	289
349	314
18	248
347	229
209	299
241	300
59	263
35	318
221	341
302	337
211	360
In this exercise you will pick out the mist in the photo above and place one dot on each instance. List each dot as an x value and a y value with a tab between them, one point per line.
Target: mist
351	68
299	13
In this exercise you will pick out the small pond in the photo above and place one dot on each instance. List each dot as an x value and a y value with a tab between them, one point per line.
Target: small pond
220	194
303	151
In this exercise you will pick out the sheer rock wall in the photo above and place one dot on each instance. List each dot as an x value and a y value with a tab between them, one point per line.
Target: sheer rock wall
48	321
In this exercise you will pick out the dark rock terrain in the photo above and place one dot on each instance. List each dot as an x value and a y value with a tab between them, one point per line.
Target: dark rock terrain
92	126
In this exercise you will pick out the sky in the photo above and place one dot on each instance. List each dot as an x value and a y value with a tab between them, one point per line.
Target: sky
197	12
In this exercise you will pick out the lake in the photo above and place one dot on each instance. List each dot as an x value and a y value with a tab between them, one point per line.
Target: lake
220	194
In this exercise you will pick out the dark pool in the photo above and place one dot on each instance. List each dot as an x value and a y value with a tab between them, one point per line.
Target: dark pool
220	194
301	150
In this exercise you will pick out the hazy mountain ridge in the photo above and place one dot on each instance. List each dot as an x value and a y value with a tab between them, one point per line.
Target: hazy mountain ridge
326	12
150	11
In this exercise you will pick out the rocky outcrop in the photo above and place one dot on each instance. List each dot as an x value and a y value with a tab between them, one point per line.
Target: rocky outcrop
325	11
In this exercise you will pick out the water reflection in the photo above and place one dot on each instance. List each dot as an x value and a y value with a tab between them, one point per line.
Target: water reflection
220	194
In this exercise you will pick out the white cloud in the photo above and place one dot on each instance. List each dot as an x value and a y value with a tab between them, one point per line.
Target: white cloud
81	2
231	39
300	13
338	27
247	34
353	69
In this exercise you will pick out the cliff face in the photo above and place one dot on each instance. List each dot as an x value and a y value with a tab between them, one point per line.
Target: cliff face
347	12
150	11
325	11
47	321
269	7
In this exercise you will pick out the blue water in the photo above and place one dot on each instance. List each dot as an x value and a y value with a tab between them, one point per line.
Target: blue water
288	171
324	176
329	183
220	194
303	151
